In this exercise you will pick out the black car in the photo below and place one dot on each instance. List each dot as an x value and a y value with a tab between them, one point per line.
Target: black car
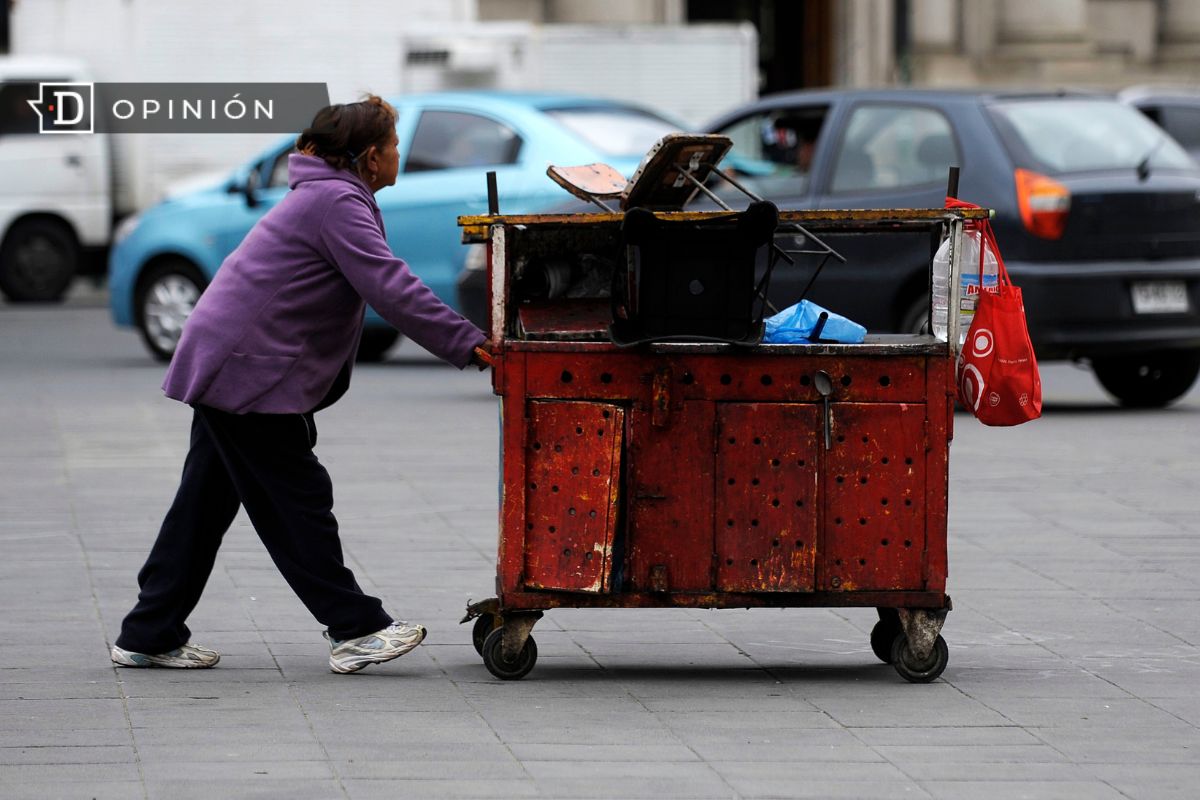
1175	110
1097	215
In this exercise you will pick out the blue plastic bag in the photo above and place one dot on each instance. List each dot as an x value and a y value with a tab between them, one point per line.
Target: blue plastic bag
802	324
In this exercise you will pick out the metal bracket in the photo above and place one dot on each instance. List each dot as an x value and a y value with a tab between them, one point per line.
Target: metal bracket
517	625
922	627
489	606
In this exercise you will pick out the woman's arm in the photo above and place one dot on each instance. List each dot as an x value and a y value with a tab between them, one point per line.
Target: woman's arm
357	247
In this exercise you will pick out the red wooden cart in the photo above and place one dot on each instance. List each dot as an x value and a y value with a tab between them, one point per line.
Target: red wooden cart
709	475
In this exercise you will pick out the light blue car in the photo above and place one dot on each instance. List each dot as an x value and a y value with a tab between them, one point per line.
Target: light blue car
163	257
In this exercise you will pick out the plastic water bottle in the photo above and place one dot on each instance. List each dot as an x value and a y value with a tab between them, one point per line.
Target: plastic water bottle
940	290
969	286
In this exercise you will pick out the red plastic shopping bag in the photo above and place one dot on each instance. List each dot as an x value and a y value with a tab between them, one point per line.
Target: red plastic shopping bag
998	378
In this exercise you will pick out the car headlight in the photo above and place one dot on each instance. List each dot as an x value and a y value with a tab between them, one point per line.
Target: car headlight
126	227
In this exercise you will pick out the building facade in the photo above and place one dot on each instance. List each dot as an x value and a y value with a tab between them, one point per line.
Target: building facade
1037	43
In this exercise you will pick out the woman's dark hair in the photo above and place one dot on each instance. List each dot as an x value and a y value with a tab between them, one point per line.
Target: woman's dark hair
341	133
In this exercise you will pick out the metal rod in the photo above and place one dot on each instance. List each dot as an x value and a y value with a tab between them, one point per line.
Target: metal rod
722	174
952	183
735	184
493	195
702	187
722	204
816	273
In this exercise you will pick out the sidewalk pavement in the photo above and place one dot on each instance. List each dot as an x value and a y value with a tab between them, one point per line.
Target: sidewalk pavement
1074	658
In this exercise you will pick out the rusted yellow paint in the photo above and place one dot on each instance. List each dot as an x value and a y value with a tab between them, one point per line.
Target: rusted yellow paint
477	227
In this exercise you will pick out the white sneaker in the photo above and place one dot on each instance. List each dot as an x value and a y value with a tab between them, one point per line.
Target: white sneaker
190	656
351	655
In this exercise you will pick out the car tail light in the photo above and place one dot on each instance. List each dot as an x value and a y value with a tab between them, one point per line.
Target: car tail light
1044	204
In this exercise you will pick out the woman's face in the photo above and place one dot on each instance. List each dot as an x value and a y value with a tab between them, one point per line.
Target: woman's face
384	163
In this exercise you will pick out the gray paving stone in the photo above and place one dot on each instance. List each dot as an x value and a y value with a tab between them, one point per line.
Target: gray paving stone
592	751
910	705
700	785
261	786
1146	781
450	751
97	789
999	771
219	750
234	770
12	736
418	788
774	749
806	779
1032	790
1097	713
401	766
1171	744
602	772
239	736
994	682
1023	754
79	774
946	736
80	754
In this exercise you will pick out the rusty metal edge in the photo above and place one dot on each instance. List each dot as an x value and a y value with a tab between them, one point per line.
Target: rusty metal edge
925	346
477	227
868	599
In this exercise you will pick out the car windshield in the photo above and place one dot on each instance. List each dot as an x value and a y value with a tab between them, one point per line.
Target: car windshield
1089	135
614	131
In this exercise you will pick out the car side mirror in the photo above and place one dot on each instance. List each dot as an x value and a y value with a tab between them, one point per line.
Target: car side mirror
246	188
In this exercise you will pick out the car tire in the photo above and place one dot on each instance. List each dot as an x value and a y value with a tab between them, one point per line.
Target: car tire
164	299
375	344
916	318
38	260
1148	380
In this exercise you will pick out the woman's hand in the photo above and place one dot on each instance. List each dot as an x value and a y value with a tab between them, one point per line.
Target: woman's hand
482	357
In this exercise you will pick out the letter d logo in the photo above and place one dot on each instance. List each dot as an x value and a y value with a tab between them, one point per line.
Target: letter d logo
60	103
65	107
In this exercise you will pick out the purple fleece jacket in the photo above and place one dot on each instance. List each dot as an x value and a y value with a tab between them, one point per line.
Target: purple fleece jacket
282	319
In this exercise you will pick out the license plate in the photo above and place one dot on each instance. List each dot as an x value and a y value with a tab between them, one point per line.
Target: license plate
1160	297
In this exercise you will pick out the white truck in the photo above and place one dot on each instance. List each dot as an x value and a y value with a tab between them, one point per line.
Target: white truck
56	210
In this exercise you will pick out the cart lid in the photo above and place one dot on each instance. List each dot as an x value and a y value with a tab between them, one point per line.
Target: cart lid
668	177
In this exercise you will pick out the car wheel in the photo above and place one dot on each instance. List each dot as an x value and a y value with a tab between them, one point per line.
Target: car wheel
916	318
37	261
1148	380
165	299
375	344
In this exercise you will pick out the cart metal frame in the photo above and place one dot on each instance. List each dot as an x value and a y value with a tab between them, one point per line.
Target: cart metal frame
701	475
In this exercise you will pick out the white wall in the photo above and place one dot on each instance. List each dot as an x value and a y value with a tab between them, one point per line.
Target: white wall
352	45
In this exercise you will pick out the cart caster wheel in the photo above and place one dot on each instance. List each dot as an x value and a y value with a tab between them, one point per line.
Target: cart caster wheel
484	624
915	671
493	657
883	636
